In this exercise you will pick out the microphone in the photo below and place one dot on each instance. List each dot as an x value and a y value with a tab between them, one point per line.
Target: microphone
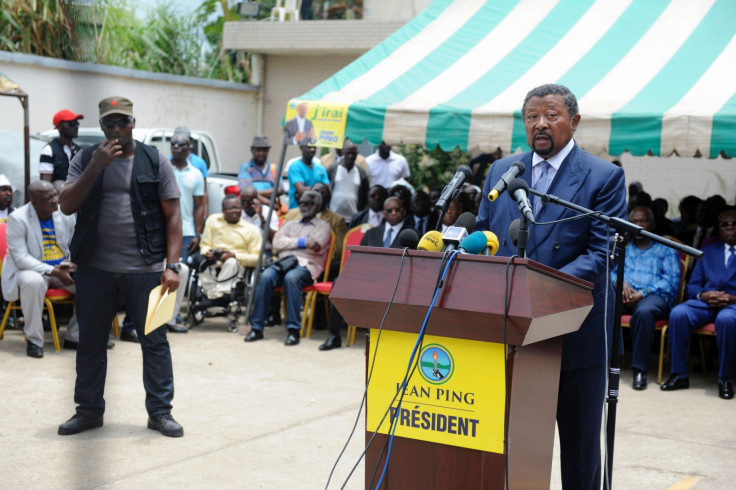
491	243
431	242
462	175
514	231
408	239
520	191
473	244
457	232
516	169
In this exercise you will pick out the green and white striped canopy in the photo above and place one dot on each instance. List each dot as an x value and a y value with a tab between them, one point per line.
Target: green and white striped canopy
651	76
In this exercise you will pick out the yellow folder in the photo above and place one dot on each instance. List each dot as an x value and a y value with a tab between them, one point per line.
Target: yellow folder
160	308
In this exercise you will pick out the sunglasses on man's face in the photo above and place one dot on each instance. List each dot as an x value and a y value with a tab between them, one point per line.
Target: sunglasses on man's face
71	124
121	123
724	224
180	143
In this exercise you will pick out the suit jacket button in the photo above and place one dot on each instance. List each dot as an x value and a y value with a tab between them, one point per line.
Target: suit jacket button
557	245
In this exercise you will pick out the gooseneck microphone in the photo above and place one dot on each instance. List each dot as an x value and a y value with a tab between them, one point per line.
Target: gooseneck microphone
408	239
520	192
464	225
462	175
516	169
431	242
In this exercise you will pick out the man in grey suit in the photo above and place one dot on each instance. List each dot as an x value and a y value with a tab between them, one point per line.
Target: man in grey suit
299	130
38	236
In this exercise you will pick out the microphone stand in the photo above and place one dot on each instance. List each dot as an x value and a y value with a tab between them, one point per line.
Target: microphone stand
624	232
523	237
443	209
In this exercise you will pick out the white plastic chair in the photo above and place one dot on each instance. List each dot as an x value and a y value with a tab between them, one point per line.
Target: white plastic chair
284	8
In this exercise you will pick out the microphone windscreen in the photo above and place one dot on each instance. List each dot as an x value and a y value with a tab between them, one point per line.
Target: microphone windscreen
491	242
514	231
431	242
474	243
408	239
517	184
467	221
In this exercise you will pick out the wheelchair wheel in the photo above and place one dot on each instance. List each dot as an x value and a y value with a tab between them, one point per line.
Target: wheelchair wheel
196	296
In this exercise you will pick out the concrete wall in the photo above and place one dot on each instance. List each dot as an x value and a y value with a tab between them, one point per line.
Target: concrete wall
227	110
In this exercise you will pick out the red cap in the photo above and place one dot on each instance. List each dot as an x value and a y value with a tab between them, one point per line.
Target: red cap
232	190
66	115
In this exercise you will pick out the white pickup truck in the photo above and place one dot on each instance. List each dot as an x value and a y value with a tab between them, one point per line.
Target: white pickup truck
203	144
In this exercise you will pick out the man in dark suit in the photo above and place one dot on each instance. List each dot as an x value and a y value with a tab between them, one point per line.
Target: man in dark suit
387	235
425	217
373	213
711	294
299	130
578	247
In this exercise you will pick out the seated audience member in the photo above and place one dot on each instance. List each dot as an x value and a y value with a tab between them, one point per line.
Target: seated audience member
385	235
475	193
404	193
480	166
711	297
258	171
461	204
308	240
641	198
6	198
229	244
662	225
424	216
336	222
651	283
706	217
686	225
304	172
38	237
256	213
434	195
349	183
373	214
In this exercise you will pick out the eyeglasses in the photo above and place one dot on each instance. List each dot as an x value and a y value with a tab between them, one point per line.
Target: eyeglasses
232	208
183	144
121	123
724	224
394	210
71	124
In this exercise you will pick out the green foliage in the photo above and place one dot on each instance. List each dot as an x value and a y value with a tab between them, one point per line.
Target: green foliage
41	27
432	168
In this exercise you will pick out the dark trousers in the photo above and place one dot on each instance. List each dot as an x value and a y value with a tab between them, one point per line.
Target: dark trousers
96	302
644	315
579	415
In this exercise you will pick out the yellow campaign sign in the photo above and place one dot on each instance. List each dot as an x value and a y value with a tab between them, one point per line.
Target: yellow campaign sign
456	395
315	123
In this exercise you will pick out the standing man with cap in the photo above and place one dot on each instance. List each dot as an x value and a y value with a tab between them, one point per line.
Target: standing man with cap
259	172
128	223
55	157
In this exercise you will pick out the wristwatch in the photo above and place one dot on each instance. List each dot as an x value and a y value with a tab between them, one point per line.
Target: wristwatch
174	266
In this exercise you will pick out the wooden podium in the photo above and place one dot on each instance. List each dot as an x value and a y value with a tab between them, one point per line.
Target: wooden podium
544	304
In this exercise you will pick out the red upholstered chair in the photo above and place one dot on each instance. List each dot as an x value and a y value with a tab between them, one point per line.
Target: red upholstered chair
352	237
662	325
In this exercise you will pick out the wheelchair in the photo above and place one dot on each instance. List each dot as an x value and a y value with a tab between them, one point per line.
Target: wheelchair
231	305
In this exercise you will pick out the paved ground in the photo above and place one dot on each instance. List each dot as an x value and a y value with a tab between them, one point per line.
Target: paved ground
264	415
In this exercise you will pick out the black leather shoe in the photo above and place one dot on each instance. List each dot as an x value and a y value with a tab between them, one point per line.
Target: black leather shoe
725	389
32	350
70	344
640	380
273	319
110	344
78	424
254	335
166	425
675	382
332	342
176	328
131	336
292	338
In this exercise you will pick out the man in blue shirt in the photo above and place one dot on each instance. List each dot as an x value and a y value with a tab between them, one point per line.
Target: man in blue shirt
652	277
304	173
258	171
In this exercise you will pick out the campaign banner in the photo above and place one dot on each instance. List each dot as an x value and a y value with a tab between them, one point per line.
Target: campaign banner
455	395
315	123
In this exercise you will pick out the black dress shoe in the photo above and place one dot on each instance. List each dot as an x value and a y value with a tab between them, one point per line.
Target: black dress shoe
70	344
166	425
176	328
292	338
32	350
675	382
110	344
254	335
78	424
131	336
332	342
640	380
725	389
